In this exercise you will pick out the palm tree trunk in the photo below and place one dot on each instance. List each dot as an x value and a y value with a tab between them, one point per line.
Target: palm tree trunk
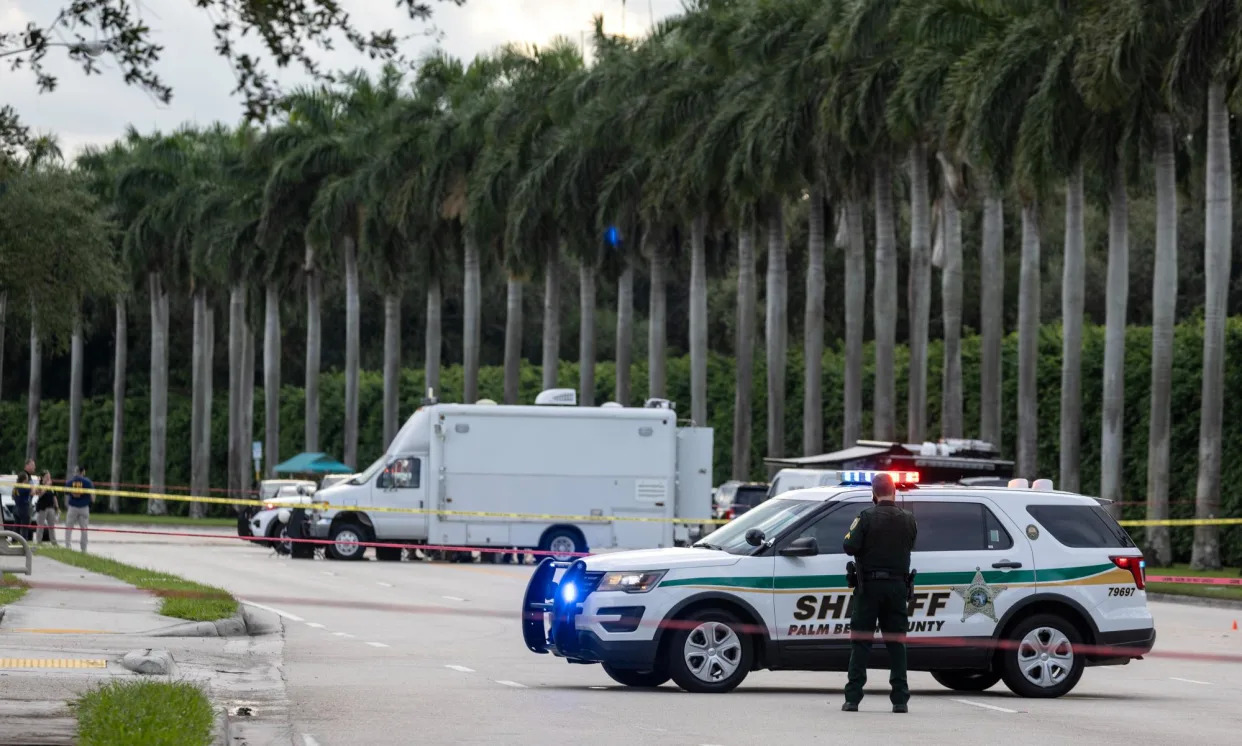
247	405
657	323
1072	298
744	351
75	397
471	330
855	319
352	331
271	379
1218	242
433	326
237	344
919	294
625	331
314	338
1115	340
885	301
698	320
198	402
776	328
1164	310
159	391
1028	344
992	313
951	423
813	331
4	311
551	318
120	352
35	395
586	333
392	366
209	370
513	340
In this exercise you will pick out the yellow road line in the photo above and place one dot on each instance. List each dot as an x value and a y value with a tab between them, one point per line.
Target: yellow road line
53	663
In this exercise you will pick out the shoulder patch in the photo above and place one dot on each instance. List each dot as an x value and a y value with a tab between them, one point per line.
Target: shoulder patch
854	525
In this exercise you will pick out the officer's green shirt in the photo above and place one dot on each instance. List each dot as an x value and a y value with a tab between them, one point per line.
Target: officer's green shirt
881	538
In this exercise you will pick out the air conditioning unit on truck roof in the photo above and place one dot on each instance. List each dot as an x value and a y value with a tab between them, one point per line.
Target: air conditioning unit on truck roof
552	476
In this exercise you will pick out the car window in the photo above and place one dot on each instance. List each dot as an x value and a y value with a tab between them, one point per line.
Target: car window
1081	526
750	496
829	531
957	527
404	473
772	517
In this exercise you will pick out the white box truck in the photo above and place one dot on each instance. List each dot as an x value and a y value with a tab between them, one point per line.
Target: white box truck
609	463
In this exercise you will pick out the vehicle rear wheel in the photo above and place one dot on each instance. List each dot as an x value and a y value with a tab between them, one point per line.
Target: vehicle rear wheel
563	544
709	653
967	681
1043	662
345	537
388	554
640	679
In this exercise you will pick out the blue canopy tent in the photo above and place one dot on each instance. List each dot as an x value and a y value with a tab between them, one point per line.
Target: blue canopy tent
312	463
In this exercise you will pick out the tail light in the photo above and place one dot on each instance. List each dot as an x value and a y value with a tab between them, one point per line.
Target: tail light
1137	567
728	514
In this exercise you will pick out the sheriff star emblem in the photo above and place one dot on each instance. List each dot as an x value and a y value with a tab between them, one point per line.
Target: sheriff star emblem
979	597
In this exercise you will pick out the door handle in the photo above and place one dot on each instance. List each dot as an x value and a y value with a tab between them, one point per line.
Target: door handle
1006	565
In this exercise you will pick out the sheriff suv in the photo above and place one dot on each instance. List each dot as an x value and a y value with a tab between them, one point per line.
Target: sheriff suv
1022	583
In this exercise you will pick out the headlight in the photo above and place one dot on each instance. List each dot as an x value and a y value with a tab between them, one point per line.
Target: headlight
630	582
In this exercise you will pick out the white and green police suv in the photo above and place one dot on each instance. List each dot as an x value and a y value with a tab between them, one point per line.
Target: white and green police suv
1024	584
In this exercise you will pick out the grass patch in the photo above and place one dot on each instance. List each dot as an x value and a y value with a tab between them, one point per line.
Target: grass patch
181	598
11	589
145	713
1230	592
141	519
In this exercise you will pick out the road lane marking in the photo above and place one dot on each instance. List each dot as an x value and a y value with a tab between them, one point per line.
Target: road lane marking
377	644
309	740
463	669
513	684
386	585
325	572
1191	681
453	598
278	612
986	707
316	625
53	663
342	634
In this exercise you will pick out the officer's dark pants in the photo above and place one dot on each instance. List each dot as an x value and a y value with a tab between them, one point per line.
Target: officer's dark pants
21	516
883	602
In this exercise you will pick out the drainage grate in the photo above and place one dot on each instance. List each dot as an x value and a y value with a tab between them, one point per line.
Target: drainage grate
53	663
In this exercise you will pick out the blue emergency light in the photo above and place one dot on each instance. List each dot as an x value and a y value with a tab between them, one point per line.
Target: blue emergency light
866	477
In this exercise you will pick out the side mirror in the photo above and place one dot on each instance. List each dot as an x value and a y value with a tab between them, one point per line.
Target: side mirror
755	537
805	546
384	481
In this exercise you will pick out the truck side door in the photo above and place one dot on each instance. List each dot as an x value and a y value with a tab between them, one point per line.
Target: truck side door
400	486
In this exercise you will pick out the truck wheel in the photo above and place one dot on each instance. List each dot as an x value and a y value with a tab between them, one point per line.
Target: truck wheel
345	537
640	679
388	554
563	544
279	531
967	681
708	654
1043	663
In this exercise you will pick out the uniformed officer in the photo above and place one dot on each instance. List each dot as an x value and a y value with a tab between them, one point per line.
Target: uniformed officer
880	539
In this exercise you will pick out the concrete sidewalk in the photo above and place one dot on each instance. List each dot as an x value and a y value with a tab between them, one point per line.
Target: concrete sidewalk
57	643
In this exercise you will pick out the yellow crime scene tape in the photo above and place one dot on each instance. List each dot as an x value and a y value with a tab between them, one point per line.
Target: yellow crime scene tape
527	516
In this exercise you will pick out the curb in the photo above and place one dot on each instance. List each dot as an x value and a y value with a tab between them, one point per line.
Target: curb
1175	598
247	622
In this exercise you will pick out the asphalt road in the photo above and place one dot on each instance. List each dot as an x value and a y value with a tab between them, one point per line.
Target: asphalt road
457	671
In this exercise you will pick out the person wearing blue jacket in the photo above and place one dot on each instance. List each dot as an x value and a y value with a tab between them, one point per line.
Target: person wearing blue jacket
22	495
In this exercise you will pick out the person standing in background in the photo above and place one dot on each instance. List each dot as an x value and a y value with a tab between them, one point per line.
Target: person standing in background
79	511
47	510
22	495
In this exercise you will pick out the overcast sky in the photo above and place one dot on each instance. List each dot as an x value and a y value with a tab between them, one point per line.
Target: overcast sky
91	110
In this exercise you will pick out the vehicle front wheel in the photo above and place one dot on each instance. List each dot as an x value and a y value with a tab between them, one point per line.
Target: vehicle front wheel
967	681
345	538
279	531
639	679
709	653
1041	662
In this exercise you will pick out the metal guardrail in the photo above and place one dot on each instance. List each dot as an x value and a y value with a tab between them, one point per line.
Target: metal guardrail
13	544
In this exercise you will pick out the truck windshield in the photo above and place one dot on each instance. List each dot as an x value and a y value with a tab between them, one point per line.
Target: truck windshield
370	471
771	518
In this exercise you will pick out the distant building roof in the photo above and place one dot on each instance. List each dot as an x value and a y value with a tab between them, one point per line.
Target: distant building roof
312	463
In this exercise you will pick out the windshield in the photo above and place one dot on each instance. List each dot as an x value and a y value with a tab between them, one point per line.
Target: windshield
370	471
771	518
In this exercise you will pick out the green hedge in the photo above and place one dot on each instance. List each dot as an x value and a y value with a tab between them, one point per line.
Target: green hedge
97	414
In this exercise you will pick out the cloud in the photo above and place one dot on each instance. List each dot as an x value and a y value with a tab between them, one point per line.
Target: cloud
96	109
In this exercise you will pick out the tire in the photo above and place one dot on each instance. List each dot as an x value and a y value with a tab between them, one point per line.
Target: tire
562	540
351	532
718	671
388	554
279	530
1044	646
638	679
967	681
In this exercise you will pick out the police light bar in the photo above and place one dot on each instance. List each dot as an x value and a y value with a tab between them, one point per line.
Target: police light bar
866	477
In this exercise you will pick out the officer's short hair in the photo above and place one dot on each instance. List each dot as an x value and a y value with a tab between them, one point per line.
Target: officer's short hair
882	487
